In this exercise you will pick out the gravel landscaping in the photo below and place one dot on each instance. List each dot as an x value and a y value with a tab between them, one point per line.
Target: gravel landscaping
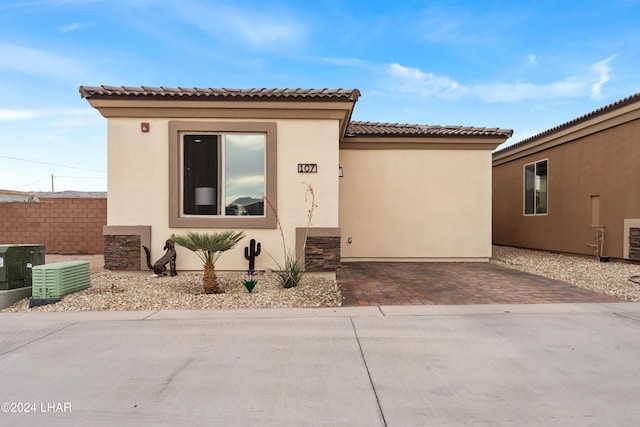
145	291
611	278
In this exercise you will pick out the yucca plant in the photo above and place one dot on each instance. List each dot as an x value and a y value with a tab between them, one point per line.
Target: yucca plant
290	274
209	247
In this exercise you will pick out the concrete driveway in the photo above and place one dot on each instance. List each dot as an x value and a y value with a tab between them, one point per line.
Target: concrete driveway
485	365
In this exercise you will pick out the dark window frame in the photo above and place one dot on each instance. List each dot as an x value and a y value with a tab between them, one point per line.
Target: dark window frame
531	197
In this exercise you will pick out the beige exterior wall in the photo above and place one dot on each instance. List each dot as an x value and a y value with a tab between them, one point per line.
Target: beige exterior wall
402	197
416	204
598	158
138	182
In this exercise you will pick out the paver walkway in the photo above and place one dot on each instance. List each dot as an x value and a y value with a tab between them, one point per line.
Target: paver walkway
406	283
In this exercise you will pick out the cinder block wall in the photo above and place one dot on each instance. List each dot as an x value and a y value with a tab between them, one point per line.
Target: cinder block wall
64	225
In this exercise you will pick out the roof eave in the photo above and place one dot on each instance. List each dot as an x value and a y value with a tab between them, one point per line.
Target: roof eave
339	107
598	121
618	108
423	142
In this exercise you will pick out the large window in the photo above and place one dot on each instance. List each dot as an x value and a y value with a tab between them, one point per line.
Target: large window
536	188
223	174
219	173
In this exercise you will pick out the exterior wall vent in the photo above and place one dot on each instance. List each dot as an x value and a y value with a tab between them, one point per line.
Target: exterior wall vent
52	281
634	244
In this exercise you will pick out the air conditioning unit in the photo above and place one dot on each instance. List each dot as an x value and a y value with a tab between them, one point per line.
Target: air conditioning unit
52	281
16	262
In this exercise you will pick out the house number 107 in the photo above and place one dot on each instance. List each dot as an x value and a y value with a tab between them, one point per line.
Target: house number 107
307	167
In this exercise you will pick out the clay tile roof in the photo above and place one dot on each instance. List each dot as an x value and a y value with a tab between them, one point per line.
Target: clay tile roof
356	128
258	94
600	111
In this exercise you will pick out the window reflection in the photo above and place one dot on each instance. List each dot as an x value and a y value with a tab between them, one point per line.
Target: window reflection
244	174
536	188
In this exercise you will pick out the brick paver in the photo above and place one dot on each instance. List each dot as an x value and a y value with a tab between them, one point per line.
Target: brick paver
406	283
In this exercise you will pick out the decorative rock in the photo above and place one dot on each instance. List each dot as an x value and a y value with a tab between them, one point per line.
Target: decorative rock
611	278
144	291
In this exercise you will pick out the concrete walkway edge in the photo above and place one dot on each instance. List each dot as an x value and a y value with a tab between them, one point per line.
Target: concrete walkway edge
367	311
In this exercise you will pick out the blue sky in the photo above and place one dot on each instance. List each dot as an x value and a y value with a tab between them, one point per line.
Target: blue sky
522	65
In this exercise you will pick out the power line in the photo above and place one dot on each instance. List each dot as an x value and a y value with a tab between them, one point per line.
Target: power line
81	177
57	177
30	183
52	164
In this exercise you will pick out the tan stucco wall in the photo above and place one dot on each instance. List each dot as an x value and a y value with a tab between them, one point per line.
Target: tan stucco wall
139	174
416	204
604	163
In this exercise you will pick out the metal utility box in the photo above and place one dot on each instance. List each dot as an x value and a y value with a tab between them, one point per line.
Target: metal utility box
16	263
52	281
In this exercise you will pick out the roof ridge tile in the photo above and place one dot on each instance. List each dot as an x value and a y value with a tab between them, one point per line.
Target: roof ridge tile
362	128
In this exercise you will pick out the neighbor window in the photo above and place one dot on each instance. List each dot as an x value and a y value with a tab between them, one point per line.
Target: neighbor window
220	174
535	188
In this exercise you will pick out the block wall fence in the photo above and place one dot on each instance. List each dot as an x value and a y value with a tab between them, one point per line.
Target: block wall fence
63	225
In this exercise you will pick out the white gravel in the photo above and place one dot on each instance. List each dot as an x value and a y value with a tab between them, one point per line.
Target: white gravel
611	278
146	291
110	291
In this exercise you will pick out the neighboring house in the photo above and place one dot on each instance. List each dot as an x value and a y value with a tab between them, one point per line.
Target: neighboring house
68	222
555	190
202	159
16	196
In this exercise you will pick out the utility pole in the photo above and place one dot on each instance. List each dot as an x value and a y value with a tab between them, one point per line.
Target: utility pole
52	183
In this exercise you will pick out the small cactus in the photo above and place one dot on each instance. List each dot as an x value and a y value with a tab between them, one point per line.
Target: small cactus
251	252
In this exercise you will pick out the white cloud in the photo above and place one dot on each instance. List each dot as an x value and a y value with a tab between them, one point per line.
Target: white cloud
71	27
412	80
245	180
68	115
589	83
445	25
37	62
602	69
532	59
262	30
247	142
515	92
42	3
10	115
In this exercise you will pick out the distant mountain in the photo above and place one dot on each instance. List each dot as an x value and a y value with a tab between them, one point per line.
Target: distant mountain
245	201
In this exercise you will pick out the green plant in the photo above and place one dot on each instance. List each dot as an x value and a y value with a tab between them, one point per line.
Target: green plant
250	282
290	273
208	247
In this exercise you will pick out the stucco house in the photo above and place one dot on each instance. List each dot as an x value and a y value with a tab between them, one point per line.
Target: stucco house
202	159
565	188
